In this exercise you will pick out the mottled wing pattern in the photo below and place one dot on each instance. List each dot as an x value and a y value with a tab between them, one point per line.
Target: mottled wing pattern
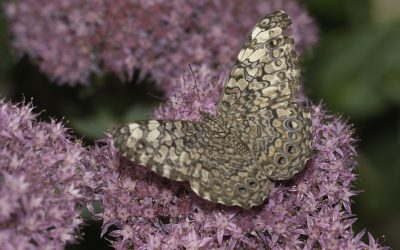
231	182
197	153
260	99
169	148
260	131
266	70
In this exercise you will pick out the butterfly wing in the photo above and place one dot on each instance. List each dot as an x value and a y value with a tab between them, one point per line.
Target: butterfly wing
186	151
259	100
230	182
169	148
227	172
266	70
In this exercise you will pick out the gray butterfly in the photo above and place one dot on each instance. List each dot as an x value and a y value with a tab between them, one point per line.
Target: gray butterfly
261	131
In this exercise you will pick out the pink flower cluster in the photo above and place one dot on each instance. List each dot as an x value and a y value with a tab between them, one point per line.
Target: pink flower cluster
197	91
42	183
310	211
72	39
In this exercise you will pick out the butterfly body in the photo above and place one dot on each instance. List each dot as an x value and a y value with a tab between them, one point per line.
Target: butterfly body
260	132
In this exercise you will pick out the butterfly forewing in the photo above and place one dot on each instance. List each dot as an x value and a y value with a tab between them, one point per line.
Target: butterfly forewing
266	70
260	99
169	148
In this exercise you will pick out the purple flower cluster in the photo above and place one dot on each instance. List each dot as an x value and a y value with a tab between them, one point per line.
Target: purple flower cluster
192	94
310	211
41	181
72	39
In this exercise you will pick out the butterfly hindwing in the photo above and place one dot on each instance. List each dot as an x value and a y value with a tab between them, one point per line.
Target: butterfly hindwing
235	182
186	151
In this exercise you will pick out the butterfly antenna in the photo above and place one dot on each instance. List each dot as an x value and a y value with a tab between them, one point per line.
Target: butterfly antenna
177	103
195	85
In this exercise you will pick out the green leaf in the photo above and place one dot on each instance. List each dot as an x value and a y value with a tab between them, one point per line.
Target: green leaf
93	126
357	73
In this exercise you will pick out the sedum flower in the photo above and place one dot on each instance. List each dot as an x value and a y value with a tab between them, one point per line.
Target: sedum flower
310	211
72	39
193	95
42	184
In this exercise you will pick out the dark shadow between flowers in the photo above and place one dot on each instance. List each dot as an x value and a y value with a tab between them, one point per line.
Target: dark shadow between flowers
90	238
101	104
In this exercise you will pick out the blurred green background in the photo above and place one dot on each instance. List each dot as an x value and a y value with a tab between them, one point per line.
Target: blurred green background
354	69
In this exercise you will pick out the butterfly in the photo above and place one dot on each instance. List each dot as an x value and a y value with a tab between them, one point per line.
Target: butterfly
260	132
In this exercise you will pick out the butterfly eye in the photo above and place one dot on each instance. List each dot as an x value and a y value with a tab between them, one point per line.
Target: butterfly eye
216	185
290	149
241	189
265	22
277	53
294	136
280	159
273	43
251	183
291	125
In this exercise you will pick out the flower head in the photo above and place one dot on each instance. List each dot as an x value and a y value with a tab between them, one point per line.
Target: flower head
310	211
41	181
73	39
